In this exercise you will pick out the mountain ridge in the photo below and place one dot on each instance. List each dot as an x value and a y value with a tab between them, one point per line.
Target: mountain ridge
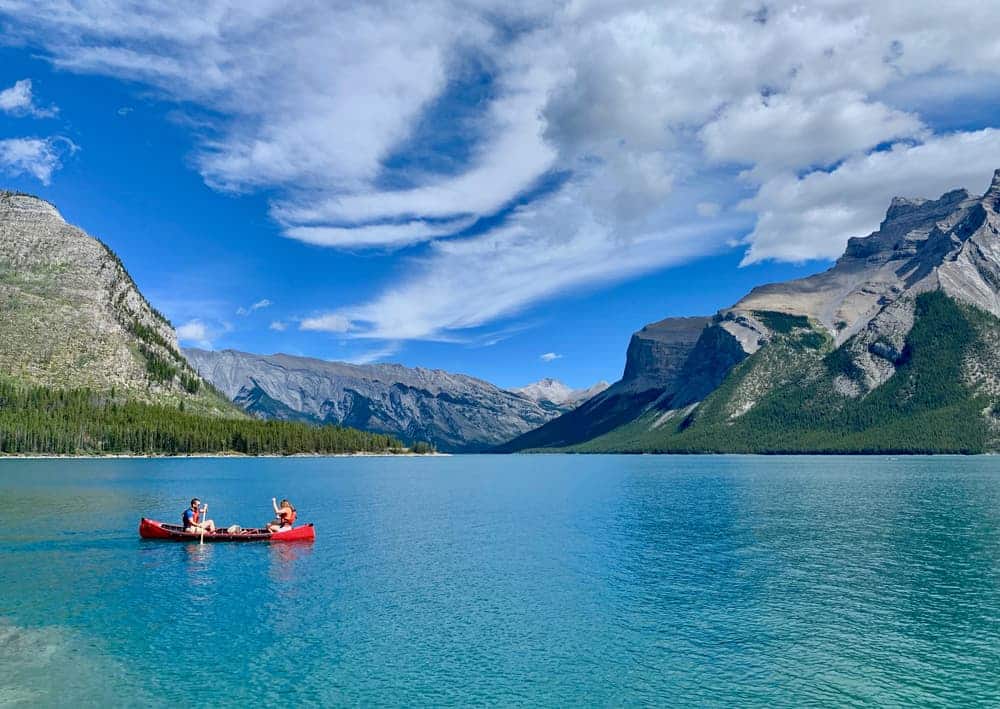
71	316
856	318
454	412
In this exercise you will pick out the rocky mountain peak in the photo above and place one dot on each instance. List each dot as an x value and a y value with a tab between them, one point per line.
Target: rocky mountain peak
555	392
72	317
24	206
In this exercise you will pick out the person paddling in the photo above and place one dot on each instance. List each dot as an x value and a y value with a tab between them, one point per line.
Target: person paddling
192	520
286	516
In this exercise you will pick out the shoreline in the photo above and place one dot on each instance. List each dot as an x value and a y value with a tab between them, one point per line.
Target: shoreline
139	456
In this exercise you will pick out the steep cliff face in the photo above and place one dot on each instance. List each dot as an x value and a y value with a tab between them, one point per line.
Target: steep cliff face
846	331
654	362
72	317
454	412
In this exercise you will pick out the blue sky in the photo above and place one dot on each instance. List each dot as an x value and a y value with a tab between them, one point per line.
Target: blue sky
471	186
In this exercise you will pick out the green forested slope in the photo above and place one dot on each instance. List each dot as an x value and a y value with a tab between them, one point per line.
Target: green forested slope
784	398
79	421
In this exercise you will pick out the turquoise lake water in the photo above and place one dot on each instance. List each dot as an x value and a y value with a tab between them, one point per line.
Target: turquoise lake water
538	580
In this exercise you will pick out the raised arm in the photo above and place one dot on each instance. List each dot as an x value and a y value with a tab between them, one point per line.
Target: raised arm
274	504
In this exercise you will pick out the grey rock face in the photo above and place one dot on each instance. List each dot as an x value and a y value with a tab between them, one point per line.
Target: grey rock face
70	314
453	411
657	353
653	372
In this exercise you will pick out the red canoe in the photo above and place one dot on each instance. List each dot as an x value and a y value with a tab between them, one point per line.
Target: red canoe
151	529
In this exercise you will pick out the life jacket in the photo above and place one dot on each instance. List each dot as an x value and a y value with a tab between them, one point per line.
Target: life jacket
288	518
194	518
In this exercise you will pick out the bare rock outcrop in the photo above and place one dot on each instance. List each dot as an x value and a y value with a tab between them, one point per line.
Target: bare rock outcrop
72	317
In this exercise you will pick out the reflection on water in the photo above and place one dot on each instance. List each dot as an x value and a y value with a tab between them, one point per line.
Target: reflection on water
286	558
544	580
199	563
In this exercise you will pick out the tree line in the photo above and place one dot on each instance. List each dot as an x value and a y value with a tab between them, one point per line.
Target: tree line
41	420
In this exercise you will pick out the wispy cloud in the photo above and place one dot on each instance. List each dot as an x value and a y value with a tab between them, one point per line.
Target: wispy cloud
259	305
375	355
18	100
550	357
278	326
37	157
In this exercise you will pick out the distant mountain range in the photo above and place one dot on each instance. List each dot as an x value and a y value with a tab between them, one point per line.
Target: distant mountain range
894	348
454	412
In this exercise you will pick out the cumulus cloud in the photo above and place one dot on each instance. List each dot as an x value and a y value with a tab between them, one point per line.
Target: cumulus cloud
195	332
18	100
37	157
550	356
813	216
787	132
604	142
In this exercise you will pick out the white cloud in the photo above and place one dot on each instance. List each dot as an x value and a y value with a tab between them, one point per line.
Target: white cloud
377	235
375	355
19	101
260	304
278	326
38	157
786	132
813	216
548	249
550	356
195	332
331	322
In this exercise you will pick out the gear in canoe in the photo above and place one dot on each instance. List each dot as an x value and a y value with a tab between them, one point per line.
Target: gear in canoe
152	529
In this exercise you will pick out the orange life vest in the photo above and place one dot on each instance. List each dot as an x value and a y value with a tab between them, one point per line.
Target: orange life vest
288	517
194	518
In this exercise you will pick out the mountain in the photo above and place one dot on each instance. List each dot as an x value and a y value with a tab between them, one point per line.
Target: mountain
554	394
72	317
653	367
87	366
895	347
454	412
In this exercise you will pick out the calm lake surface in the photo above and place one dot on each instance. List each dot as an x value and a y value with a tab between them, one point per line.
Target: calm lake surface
541	580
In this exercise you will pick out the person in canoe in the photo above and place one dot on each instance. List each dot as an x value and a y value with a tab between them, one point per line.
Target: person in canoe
192	519
286	516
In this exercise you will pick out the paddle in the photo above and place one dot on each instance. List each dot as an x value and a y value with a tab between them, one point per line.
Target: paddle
204	513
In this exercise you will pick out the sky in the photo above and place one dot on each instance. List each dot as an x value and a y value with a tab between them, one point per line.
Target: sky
503	189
